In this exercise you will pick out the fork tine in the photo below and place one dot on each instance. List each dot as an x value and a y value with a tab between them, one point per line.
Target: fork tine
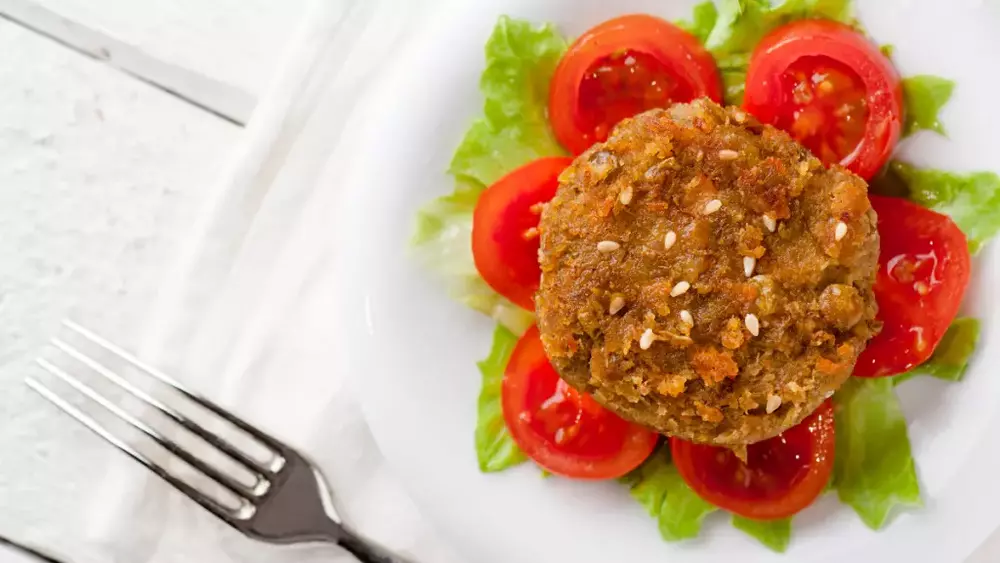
270	442
194	494
214	439
230	484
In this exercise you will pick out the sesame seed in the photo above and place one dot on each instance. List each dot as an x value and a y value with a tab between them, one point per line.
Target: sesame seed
835	290
753	325
601	164
617	304
769	223
712	206
749	263
537	208
841	230
646	340
727	154
686	317
606	246
680	289
922	288
793	387
773	402
739	116
669	240
625	197
921	341
531	233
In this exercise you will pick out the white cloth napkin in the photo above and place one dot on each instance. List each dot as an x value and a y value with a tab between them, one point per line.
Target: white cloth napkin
246	318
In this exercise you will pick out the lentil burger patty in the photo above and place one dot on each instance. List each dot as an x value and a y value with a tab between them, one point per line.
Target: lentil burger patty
704	275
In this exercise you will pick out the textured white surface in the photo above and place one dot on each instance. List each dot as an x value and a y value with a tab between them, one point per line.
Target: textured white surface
99	174
223	99
240	42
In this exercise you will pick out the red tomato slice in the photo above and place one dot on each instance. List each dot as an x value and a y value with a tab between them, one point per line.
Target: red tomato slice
831	89
623	67
505	228
561	429
923	272
781	476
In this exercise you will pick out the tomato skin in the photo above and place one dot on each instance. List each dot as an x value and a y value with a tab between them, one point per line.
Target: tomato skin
765	96
564	431
505	228
924	268
682	57
782	476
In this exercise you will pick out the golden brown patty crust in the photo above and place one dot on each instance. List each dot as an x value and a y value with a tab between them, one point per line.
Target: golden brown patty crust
704	275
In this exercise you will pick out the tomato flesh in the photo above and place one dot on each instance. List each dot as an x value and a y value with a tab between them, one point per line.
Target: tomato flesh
768	471
564	431
624	84
622	67
832	89
827	110
571	420
505	237
781	476
924	268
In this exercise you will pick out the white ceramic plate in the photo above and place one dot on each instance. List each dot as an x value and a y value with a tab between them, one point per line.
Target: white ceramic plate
412	352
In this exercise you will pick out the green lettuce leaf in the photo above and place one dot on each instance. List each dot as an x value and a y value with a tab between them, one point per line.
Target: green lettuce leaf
659	488
951	357
443	244
971	200
924	96
680	512
873	468
495	449
775	534
520	60
740	24
703	21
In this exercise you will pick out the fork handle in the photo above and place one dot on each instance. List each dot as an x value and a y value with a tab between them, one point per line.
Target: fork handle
365	550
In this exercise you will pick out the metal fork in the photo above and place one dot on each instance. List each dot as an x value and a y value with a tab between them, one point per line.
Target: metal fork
289	502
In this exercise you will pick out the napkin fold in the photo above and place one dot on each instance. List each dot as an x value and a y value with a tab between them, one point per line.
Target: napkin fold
247	315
